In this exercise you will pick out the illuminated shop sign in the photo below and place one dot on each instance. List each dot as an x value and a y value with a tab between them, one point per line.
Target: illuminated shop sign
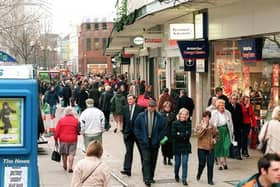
251	49
195	55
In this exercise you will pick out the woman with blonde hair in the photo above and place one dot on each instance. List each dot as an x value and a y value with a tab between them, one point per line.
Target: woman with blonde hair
92	171
270	132
181	132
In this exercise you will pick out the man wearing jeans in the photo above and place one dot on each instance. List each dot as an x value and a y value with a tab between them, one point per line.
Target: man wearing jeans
149	129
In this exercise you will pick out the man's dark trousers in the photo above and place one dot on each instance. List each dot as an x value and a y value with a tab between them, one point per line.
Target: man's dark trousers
149	162
129	145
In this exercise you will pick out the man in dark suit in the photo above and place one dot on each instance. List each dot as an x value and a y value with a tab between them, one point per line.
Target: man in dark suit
149	130
237	118
130	112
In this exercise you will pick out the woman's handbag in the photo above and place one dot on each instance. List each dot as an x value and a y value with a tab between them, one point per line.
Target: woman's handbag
263	144
55	154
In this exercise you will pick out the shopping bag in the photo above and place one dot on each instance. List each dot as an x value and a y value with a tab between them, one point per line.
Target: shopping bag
234	151
46	108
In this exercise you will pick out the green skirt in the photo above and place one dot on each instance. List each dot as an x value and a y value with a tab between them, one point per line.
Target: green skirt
223	144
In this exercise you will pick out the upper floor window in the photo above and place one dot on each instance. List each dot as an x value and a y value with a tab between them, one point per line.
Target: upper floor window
104	26
88	26
104	43
88	44
96	26
96	44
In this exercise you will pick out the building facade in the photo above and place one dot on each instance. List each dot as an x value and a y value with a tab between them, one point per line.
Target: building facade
243	40
93	40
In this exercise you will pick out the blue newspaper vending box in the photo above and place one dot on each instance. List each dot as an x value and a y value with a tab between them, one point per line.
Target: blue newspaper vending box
18	127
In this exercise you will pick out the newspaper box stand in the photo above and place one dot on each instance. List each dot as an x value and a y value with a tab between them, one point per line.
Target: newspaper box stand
18	127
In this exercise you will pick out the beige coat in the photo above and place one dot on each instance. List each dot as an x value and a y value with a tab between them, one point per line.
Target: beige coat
101	177
207	135
273	132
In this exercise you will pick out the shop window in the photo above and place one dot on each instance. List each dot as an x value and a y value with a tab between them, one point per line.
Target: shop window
162	75
180	76
257	79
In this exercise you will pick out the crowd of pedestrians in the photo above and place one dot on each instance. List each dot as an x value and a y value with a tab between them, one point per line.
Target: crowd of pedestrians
150	123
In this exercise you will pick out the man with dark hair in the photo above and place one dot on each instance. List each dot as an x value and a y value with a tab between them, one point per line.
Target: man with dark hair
219	95
268	175
130	112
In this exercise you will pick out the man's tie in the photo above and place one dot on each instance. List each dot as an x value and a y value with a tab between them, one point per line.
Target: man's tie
130	112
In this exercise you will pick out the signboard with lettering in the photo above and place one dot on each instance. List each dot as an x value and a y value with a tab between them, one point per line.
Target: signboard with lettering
192	51
15	177
251	49
181	31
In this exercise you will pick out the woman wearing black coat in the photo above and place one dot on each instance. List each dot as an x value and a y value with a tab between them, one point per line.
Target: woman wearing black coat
181	133
166	148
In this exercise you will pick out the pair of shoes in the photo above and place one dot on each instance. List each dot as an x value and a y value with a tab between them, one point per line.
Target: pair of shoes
169	162
185	183
211	183
126	173
225	167
70	171
177	178
220	168
115	130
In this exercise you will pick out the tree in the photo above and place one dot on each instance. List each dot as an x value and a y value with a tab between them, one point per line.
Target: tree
20	27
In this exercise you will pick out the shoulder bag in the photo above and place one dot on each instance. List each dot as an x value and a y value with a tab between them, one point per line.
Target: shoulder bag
263	144
90	173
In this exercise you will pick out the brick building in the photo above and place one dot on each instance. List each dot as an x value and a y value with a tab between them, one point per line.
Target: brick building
92	42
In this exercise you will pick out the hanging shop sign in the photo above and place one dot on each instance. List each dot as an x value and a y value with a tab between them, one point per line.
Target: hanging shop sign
153	42
195	55
138	40
251	49
181	31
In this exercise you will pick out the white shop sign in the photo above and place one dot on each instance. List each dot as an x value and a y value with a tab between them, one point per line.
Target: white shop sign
181	31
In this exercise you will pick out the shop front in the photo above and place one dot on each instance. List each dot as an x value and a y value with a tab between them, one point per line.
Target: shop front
250	67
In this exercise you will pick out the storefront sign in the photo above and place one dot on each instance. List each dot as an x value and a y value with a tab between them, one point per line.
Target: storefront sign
139	40
181	31
153	42
251	49
192	51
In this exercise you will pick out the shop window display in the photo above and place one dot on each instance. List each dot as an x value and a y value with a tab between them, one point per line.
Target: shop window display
259	79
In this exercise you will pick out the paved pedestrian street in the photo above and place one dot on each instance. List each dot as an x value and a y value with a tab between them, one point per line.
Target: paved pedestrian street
52	173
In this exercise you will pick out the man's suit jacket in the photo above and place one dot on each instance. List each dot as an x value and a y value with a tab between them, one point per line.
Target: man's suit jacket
141	130
128	124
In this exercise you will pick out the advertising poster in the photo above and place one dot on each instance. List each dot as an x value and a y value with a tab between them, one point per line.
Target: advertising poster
11	122
16	176
44	76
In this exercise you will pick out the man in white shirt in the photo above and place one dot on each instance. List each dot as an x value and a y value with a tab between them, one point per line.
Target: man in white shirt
92	122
